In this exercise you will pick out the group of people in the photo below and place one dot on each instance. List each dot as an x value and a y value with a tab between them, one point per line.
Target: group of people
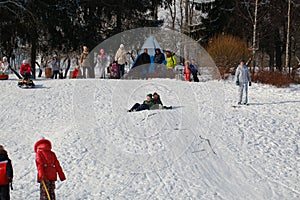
48	167
152	102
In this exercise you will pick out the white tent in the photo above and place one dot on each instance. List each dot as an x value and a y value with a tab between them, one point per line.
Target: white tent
151	44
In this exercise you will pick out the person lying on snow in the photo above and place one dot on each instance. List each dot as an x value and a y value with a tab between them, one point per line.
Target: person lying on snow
146	105
157	103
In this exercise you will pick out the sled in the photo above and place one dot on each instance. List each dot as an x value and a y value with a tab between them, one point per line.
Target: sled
26	84
3	76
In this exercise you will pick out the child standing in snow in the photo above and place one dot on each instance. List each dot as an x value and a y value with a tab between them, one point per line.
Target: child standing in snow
187	71
6	174
242	77
48	167
146	105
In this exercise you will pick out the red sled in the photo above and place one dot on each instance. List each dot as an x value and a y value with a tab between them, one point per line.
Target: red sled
3	76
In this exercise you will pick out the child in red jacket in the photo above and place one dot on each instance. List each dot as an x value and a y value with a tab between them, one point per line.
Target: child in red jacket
187	71
25	70
48	167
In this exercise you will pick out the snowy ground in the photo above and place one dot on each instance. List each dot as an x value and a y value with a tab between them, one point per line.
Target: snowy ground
107	153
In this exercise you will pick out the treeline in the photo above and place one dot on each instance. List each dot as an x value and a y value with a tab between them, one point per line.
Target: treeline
47	26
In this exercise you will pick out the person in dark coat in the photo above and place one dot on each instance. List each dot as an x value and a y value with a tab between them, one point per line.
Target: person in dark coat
6	174
194	71
159	57
157	103
146	105
143	59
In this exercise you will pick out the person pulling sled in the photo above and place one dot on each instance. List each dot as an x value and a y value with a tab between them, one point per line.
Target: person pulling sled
48	167
25	71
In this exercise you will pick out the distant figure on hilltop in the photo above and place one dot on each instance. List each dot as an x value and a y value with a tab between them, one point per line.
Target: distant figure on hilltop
121	59
6	174
159	57
242	77
88	70
48	167
55	67
171	60
102	61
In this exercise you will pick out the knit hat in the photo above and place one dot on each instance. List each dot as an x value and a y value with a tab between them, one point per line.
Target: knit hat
242	60
155	93
122	46
149	95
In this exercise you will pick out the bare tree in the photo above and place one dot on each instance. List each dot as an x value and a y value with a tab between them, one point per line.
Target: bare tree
287	48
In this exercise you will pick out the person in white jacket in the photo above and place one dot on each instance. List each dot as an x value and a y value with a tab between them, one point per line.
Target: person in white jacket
122	60
242	77
4	66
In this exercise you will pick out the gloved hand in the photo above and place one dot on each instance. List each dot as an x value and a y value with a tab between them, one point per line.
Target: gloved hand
10	179
237	83
250	84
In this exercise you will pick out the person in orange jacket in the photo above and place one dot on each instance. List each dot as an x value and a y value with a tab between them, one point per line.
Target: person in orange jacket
48	167
187	71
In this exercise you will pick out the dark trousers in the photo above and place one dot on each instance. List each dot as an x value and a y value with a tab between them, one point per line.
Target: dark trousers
195	77
139	107
121	70
55	72
51	189
4	192
26	76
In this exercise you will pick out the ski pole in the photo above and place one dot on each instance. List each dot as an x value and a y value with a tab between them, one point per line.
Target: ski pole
47	192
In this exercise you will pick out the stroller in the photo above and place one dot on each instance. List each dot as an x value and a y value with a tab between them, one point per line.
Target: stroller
114	70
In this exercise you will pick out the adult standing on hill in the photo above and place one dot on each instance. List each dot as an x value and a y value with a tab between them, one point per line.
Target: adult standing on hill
242	77
55	67
171	60
6	174
159	57
85	64
121	60
48	167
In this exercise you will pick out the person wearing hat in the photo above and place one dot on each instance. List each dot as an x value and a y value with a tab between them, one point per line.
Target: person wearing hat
146	105
243	79
6	174
4	66
48	167
121	59
25	70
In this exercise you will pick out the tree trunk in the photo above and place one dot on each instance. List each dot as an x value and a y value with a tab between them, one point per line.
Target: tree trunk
254	47
33	55
287	47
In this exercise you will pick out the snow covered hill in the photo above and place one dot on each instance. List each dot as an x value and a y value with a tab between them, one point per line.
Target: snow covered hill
202	149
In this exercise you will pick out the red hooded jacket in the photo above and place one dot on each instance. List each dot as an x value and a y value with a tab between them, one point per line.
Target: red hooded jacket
46	162
25	68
